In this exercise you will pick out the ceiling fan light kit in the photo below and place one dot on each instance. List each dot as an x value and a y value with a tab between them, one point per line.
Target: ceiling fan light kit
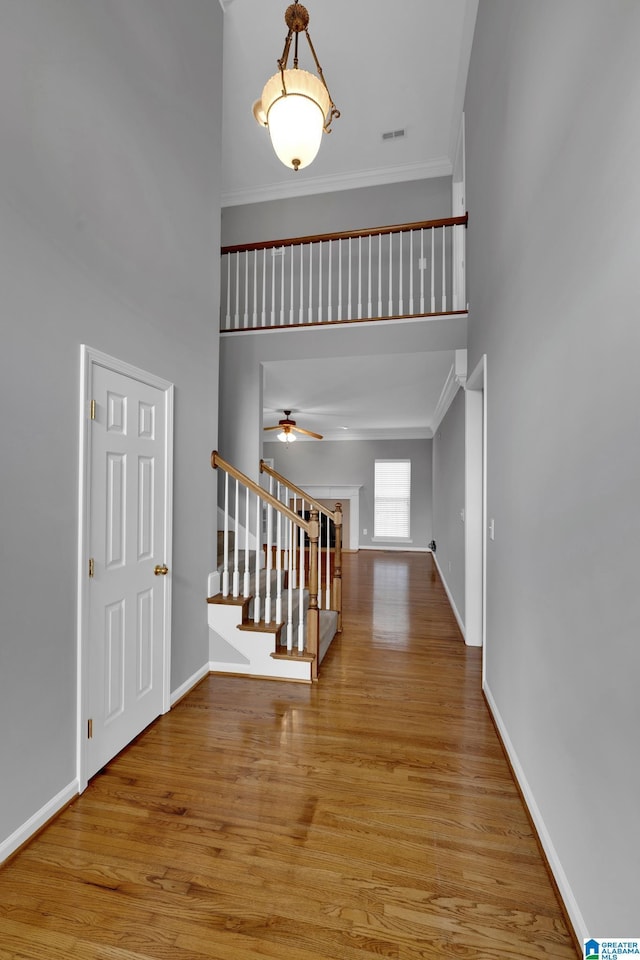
296	106
287	426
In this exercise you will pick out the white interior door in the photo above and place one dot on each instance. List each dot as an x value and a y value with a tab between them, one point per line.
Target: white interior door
127	549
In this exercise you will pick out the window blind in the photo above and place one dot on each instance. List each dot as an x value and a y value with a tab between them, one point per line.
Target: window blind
392	499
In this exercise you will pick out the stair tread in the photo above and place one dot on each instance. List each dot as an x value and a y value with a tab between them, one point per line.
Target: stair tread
230	600
294	655
261	626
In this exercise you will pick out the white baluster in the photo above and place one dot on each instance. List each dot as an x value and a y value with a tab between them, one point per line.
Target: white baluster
444	274
379	274
246	289
282	288
286	532
390	311
236	542
320	252
433	260
369	304
228	318
291	287
423	265
340	317
359	278
411	273
329	288
273	290
256	589
225	544
254	312
246	582
237	316
349	285
263	313
310	310
400	284
293	583
301	305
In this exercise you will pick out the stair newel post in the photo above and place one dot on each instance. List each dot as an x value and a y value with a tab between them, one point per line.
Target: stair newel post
290	588
337	565
278	617
256	591
320	560
269	565
225	550
302	575
313	614
327	559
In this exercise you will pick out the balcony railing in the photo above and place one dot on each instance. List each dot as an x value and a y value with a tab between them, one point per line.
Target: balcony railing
407	270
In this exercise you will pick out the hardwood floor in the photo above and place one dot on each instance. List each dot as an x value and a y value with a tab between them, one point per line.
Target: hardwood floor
370	815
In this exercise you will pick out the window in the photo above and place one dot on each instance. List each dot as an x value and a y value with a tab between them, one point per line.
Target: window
392	495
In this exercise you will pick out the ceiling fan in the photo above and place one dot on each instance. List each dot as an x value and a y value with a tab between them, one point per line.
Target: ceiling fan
287	427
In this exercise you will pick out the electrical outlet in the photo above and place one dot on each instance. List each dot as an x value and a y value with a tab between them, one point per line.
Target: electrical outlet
364	532
492	529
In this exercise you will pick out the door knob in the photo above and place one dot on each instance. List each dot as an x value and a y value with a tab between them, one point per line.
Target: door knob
161	570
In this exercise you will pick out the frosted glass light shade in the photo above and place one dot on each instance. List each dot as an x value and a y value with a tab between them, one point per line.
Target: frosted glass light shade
295	119
286	436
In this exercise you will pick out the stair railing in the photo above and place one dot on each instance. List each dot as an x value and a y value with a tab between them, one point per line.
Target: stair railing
393	272
329	558
267	506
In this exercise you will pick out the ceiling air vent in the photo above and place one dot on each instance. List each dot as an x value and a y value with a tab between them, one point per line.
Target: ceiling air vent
393	135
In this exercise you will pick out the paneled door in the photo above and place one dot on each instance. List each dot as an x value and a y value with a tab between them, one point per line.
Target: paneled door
128	570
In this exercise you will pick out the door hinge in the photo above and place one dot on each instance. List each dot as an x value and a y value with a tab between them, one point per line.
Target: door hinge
92	567
92	410
89	729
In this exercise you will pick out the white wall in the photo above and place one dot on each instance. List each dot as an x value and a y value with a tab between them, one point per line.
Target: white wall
351	463
448	500
360	209
241	357
553	150
109	226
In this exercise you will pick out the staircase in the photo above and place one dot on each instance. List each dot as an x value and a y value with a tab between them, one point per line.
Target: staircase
274	601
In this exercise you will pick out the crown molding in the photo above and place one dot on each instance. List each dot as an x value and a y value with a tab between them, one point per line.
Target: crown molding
456	379
439	167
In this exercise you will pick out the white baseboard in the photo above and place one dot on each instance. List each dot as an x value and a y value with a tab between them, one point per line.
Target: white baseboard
189	684
456	612
385	548
38	820
570	903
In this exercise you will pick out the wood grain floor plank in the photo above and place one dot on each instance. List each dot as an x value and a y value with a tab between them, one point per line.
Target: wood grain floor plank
370	815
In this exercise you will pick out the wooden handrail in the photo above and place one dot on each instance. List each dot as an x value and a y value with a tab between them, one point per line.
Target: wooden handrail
218	461
299	492
354	234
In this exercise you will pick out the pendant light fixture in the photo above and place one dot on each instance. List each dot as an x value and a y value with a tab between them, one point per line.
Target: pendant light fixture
296	106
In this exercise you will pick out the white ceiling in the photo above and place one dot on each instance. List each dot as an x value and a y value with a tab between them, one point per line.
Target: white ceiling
389	65
342	398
